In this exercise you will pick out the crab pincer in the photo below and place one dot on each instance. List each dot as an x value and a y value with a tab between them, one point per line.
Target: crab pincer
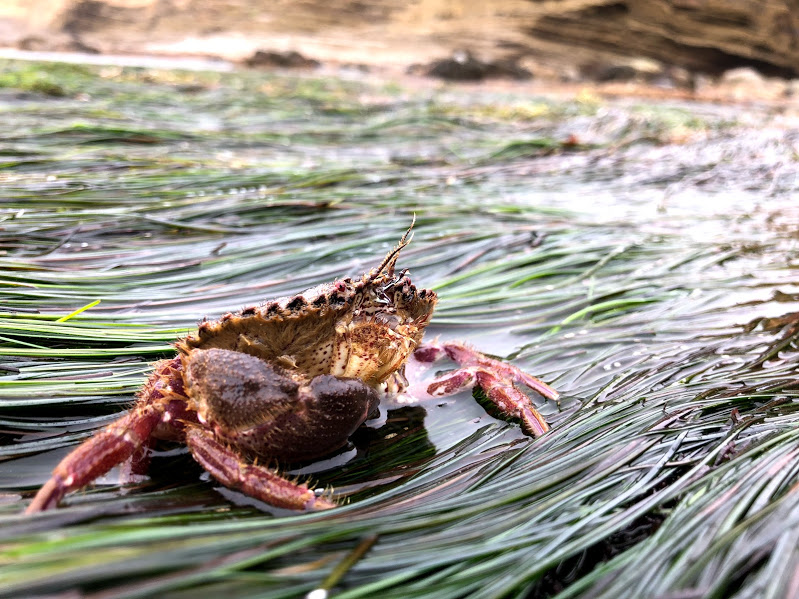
494	377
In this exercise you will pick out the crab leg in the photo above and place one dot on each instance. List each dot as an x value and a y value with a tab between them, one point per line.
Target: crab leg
255	481
494	377
98	455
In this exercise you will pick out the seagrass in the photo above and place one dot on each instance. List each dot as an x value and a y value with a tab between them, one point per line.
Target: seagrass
670	331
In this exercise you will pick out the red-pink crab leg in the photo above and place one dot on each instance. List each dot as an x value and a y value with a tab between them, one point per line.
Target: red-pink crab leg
495	378
256	481
466	356
501	392
115	444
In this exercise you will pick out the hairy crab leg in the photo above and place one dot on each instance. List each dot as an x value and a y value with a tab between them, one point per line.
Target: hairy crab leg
112	446
494	377
127	437
255	481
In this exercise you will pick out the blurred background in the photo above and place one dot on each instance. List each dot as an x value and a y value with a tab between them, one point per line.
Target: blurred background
673	44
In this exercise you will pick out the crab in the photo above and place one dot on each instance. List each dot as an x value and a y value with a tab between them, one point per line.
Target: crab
290	380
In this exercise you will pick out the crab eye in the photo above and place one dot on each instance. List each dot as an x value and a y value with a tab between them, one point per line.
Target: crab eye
340	286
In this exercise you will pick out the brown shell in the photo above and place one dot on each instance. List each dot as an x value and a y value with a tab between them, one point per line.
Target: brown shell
338	328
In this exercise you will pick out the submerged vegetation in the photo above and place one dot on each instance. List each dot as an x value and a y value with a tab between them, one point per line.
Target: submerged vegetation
641	260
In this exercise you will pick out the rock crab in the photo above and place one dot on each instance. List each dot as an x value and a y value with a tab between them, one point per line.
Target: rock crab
290	379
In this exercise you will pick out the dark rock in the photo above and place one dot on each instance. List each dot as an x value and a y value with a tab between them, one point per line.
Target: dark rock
463	66
281	60
616	72
32	43
639	70
55	43
95	15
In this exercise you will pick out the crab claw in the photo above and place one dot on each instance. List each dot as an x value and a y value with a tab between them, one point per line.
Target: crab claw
494	377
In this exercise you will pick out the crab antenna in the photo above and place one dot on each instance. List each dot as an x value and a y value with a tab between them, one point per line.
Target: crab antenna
391	259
